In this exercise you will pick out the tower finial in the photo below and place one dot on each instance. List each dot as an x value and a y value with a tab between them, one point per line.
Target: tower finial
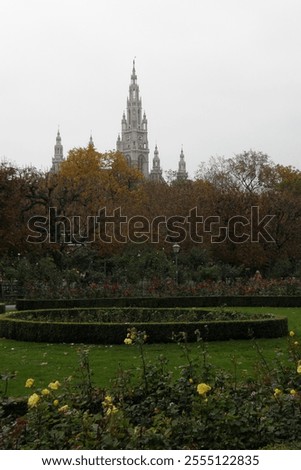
58	156
182	173
134	76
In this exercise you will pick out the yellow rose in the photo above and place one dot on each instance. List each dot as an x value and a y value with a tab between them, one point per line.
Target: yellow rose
107	401
292	333
293	392
277	392
128	341
299	369
111	410
54	385
33	400
296	343
45	392
55	403
63	409
29	383
203	388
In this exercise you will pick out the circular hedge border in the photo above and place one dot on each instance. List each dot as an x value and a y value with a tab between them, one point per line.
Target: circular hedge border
14	325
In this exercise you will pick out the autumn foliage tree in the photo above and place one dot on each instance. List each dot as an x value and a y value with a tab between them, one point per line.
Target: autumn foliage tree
225	195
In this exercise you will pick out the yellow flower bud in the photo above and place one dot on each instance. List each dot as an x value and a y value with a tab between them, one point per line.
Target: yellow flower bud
111	410
292	333
33	400
63	409
54	385
55	403
29	383
203	388
45	392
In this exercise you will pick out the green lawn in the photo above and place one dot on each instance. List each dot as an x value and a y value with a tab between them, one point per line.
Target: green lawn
48	362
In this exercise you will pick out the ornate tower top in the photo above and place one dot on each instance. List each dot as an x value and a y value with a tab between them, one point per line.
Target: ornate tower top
182	173
91	143
134	76
58	157
156	172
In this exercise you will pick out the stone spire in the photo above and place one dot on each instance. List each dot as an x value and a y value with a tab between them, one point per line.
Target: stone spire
134	76
156	172
91	143
133	142
58	157
182	173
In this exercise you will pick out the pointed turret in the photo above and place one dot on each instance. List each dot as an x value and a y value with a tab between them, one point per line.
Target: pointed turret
156	172
134	76
182	173
91	143
58	157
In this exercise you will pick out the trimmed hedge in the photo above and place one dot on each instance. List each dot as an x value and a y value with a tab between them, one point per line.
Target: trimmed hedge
163	302
132	314
114	333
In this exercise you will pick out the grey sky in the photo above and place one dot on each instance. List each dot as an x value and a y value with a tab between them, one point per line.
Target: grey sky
216	76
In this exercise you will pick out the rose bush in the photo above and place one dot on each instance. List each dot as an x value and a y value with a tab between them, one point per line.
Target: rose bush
151	408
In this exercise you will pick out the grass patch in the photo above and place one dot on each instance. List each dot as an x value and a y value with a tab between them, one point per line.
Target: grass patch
47	362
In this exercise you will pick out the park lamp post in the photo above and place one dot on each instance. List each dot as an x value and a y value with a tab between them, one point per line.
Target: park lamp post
176	248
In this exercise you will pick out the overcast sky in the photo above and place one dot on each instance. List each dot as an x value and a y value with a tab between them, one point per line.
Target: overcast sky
216	76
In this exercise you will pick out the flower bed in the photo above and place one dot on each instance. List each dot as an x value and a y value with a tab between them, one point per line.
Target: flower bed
203	408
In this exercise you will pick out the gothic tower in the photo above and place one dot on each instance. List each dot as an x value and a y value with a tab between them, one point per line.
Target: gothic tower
182	173
58	157
133	142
